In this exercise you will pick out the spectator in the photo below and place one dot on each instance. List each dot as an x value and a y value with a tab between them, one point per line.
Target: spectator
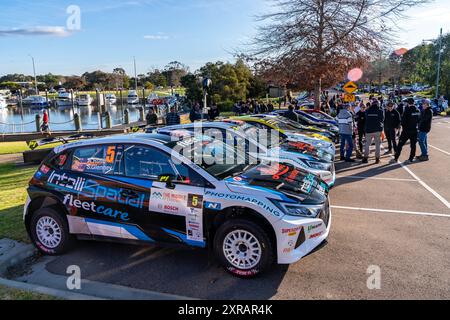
346	125
270	107
426	119
195	113
214	112
401	108
361	125
374	128
151	117
263	108
291	114
45	123
392	121
172	117
410	122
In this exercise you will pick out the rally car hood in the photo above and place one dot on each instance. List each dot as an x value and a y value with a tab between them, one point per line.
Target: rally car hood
281	182
304	150
296	137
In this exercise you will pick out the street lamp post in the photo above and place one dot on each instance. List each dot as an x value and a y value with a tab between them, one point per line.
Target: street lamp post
438	79
34	72
438	76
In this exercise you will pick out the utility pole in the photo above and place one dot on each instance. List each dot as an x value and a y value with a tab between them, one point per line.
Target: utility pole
34	71
438	79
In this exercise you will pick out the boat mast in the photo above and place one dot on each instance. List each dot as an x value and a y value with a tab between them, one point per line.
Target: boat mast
135	75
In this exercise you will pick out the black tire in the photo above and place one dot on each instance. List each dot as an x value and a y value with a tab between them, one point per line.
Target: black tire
267	251
66	239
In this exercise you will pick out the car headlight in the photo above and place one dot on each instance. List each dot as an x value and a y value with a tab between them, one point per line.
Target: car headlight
298	210
302	211
318	165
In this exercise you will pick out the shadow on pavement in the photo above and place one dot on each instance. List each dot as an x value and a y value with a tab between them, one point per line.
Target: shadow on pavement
187	273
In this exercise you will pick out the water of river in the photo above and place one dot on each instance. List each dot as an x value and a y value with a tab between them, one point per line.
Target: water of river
12	120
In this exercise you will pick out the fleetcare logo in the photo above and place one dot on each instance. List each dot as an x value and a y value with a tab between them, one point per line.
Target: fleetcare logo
92	207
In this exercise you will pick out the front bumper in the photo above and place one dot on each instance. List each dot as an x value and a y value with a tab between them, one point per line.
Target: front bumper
297	237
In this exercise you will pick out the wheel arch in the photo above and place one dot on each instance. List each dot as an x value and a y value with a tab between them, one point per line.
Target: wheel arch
41	202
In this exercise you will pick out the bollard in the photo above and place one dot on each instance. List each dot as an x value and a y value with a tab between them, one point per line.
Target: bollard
143	98
97	98
38	123
126	116
141	114
77	121
99	119
108	121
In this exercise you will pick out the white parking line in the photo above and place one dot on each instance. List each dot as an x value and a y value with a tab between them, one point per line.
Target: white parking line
374	178
394	211
431	190
447	153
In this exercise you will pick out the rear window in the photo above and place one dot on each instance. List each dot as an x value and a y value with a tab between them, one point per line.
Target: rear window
96	159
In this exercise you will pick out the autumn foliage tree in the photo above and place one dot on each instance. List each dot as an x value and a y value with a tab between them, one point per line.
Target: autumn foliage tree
314	43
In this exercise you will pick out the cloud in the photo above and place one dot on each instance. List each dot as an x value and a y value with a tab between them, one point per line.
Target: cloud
156	37
36	31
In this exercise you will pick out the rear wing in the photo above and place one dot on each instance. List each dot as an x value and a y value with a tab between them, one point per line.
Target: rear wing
33	144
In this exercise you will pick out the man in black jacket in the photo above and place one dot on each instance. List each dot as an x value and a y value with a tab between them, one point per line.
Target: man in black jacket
374	128
361	124
392	121
410	122
426	118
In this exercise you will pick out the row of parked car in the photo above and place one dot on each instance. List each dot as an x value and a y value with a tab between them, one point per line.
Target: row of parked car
254	190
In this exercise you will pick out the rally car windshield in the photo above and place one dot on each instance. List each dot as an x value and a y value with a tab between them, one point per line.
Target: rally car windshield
216	157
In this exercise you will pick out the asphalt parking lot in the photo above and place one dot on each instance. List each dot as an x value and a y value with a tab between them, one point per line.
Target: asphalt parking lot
393	216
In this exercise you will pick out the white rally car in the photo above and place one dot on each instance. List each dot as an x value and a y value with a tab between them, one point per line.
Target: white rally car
246	136
147	188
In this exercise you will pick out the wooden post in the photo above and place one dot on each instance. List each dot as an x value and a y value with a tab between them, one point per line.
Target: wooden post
38	123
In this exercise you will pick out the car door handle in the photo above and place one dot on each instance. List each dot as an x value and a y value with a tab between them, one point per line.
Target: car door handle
129	194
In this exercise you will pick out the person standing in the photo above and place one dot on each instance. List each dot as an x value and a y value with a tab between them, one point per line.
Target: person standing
392	121
426	118
172	118
361	126
410	122
45	123
151	117
195	113
213	113
374	128
346	126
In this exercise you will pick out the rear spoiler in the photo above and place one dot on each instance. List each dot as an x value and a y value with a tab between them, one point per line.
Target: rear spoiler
33	144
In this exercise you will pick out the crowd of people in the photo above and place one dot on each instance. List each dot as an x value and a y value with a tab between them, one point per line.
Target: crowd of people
363	124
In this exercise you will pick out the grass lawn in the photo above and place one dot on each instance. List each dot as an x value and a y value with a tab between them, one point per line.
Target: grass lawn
19	147
15	294
13	184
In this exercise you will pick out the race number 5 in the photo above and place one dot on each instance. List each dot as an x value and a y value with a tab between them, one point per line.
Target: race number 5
110	154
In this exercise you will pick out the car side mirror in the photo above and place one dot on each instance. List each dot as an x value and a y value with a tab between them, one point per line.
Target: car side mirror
168	179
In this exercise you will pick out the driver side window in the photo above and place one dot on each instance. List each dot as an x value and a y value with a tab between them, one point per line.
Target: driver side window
146	162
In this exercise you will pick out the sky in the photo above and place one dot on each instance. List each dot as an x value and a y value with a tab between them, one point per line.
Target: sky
156	32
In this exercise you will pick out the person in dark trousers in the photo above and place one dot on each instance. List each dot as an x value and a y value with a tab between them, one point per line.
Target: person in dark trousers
213	113
291	114
426	118
410	122
374	128
392	121
361	125
151	117
346	126
172	117
195	113
270	107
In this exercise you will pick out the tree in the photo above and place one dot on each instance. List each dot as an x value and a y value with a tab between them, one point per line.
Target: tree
314	43
75	83
173	72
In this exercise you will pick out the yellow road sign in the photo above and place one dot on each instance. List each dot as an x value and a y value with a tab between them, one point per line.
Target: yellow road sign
349	98
350	87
